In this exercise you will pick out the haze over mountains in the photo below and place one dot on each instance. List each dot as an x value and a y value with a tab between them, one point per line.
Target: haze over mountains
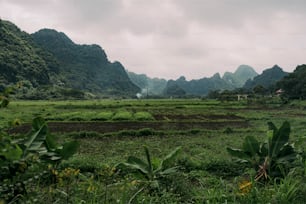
203	86
51	62
229	81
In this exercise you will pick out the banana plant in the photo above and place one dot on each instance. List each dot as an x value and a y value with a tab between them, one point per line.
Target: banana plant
271	158
36	148
150	172
40	142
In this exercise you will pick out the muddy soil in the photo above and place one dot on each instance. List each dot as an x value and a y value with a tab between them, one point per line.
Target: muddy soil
104	127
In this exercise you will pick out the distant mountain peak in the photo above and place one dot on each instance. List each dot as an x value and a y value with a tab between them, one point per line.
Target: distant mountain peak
51	34
240	76
245	69
276	66
267	79
181	78
216	76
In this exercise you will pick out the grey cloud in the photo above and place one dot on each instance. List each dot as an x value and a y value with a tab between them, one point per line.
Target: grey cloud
171	38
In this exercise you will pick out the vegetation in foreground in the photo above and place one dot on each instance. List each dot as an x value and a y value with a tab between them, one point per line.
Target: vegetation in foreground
113	168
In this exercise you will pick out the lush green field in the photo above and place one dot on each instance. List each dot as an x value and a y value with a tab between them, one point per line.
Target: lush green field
109	131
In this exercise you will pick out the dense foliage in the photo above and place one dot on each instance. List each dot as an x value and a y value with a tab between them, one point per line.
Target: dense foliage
21	59
294	85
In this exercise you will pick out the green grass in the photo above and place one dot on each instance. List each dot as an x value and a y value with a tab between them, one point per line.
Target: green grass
143	116
103	116
122	115
207	173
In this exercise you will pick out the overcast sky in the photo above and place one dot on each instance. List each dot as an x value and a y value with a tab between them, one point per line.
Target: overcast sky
171	38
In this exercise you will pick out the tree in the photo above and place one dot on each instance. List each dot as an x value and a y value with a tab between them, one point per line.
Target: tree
260	90
294	85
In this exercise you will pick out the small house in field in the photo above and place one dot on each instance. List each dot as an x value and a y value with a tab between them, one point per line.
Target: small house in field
279	92
242	97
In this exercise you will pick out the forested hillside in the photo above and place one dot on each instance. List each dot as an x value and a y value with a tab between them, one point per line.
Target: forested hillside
267	79
21	59
48	64
85	67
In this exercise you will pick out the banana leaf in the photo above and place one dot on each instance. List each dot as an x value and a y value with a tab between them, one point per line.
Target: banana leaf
251	146
36	137
169	158
279	139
